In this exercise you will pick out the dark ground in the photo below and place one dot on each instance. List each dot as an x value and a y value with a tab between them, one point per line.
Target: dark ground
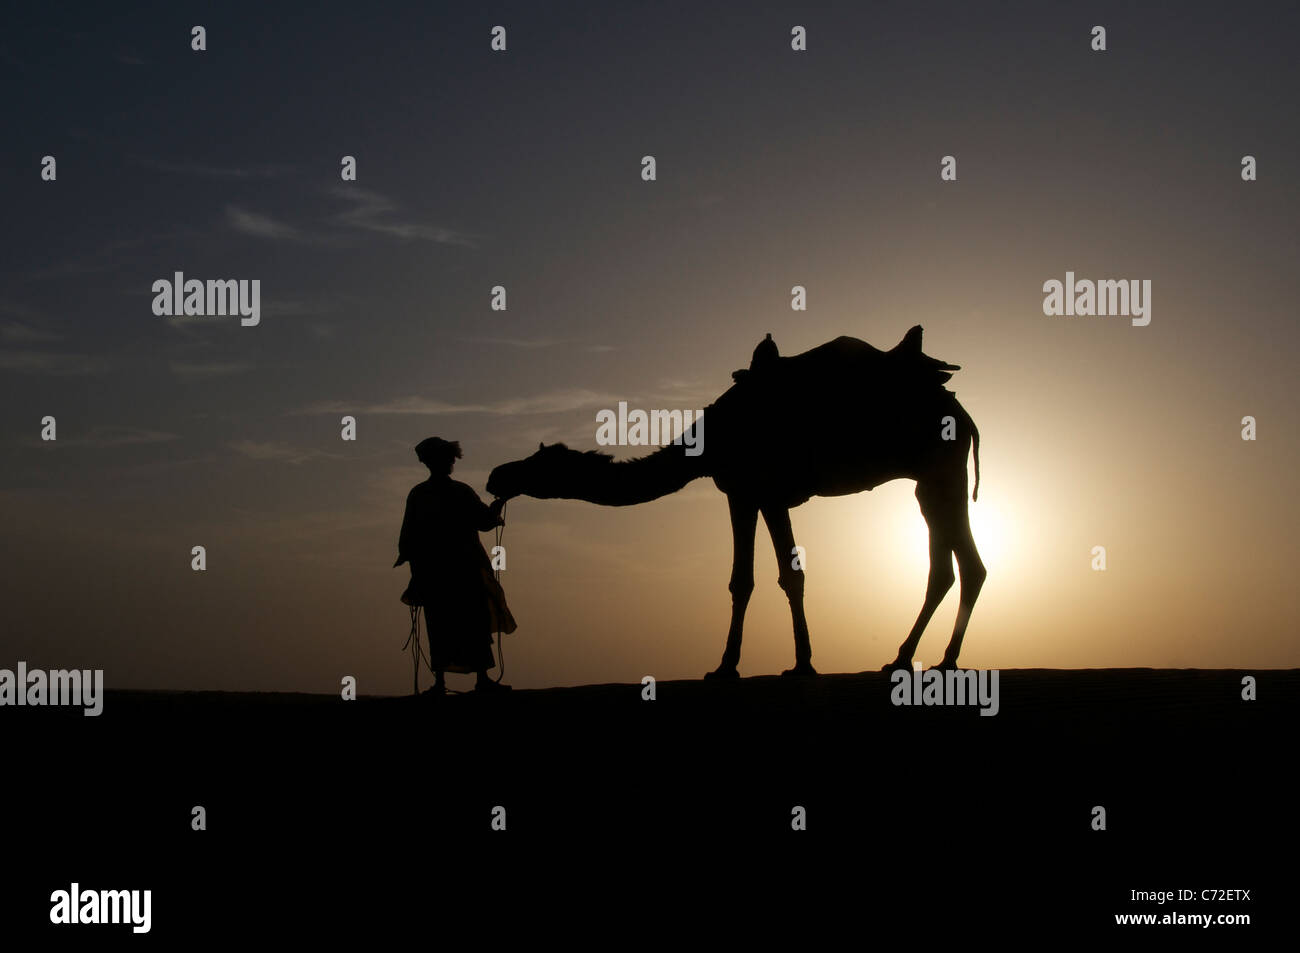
330	816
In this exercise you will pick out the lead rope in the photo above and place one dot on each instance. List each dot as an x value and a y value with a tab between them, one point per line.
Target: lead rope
413	640
417	652
501	658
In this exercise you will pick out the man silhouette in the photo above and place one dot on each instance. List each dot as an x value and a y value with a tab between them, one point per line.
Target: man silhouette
451	575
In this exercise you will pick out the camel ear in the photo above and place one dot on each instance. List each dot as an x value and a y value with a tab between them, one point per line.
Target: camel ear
540	445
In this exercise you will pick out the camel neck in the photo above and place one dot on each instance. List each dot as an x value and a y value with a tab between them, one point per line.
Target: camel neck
628	482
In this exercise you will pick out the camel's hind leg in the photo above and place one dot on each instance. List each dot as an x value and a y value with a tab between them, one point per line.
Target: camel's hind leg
791	580
937	509
973	574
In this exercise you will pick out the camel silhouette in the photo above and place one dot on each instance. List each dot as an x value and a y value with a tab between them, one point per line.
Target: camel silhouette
851	417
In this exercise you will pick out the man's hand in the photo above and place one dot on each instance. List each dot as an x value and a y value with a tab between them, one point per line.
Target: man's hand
496	506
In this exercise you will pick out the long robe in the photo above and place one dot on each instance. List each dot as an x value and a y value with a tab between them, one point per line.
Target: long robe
451	575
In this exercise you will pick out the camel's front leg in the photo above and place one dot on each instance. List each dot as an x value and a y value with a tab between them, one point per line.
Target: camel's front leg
744	518
791	580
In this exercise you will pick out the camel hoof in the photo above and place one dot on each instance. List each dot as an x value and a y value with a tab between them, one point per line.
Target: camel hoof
723	671
897	665
945	666
800	669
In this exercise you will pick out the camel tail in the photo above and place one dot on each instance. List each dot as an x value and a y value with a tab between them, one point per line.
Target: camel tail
975	447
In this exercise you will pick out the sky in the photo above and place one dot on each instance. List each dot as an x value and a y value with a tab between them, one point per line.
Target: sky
523	168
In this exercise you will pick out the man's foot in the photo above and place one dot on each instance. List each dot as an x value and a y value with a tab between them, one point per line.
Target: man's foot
437	691
489	686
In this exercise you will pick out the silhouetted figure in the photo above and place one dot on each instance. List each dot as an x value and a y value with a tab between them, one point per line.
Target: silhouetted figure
451	575
837	419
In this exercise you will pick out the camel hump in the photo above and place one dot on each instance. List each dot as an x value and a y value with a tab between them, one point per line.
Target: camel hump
765	357
911	343
765	354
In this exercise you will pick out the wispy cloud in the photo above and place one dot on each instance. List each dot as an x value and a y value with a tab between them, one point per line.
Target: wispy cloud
277	452
258	225
200	369
22	333
47	362
273	307
113	436
311	305
299	530
369	212
550	402
529	344
213	171
372	212
571	431
16	309
523	343
115	255
673	392
153	468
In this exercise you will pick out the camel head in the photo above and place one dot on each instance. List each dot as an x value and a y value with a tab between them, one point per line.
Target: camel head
547	474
